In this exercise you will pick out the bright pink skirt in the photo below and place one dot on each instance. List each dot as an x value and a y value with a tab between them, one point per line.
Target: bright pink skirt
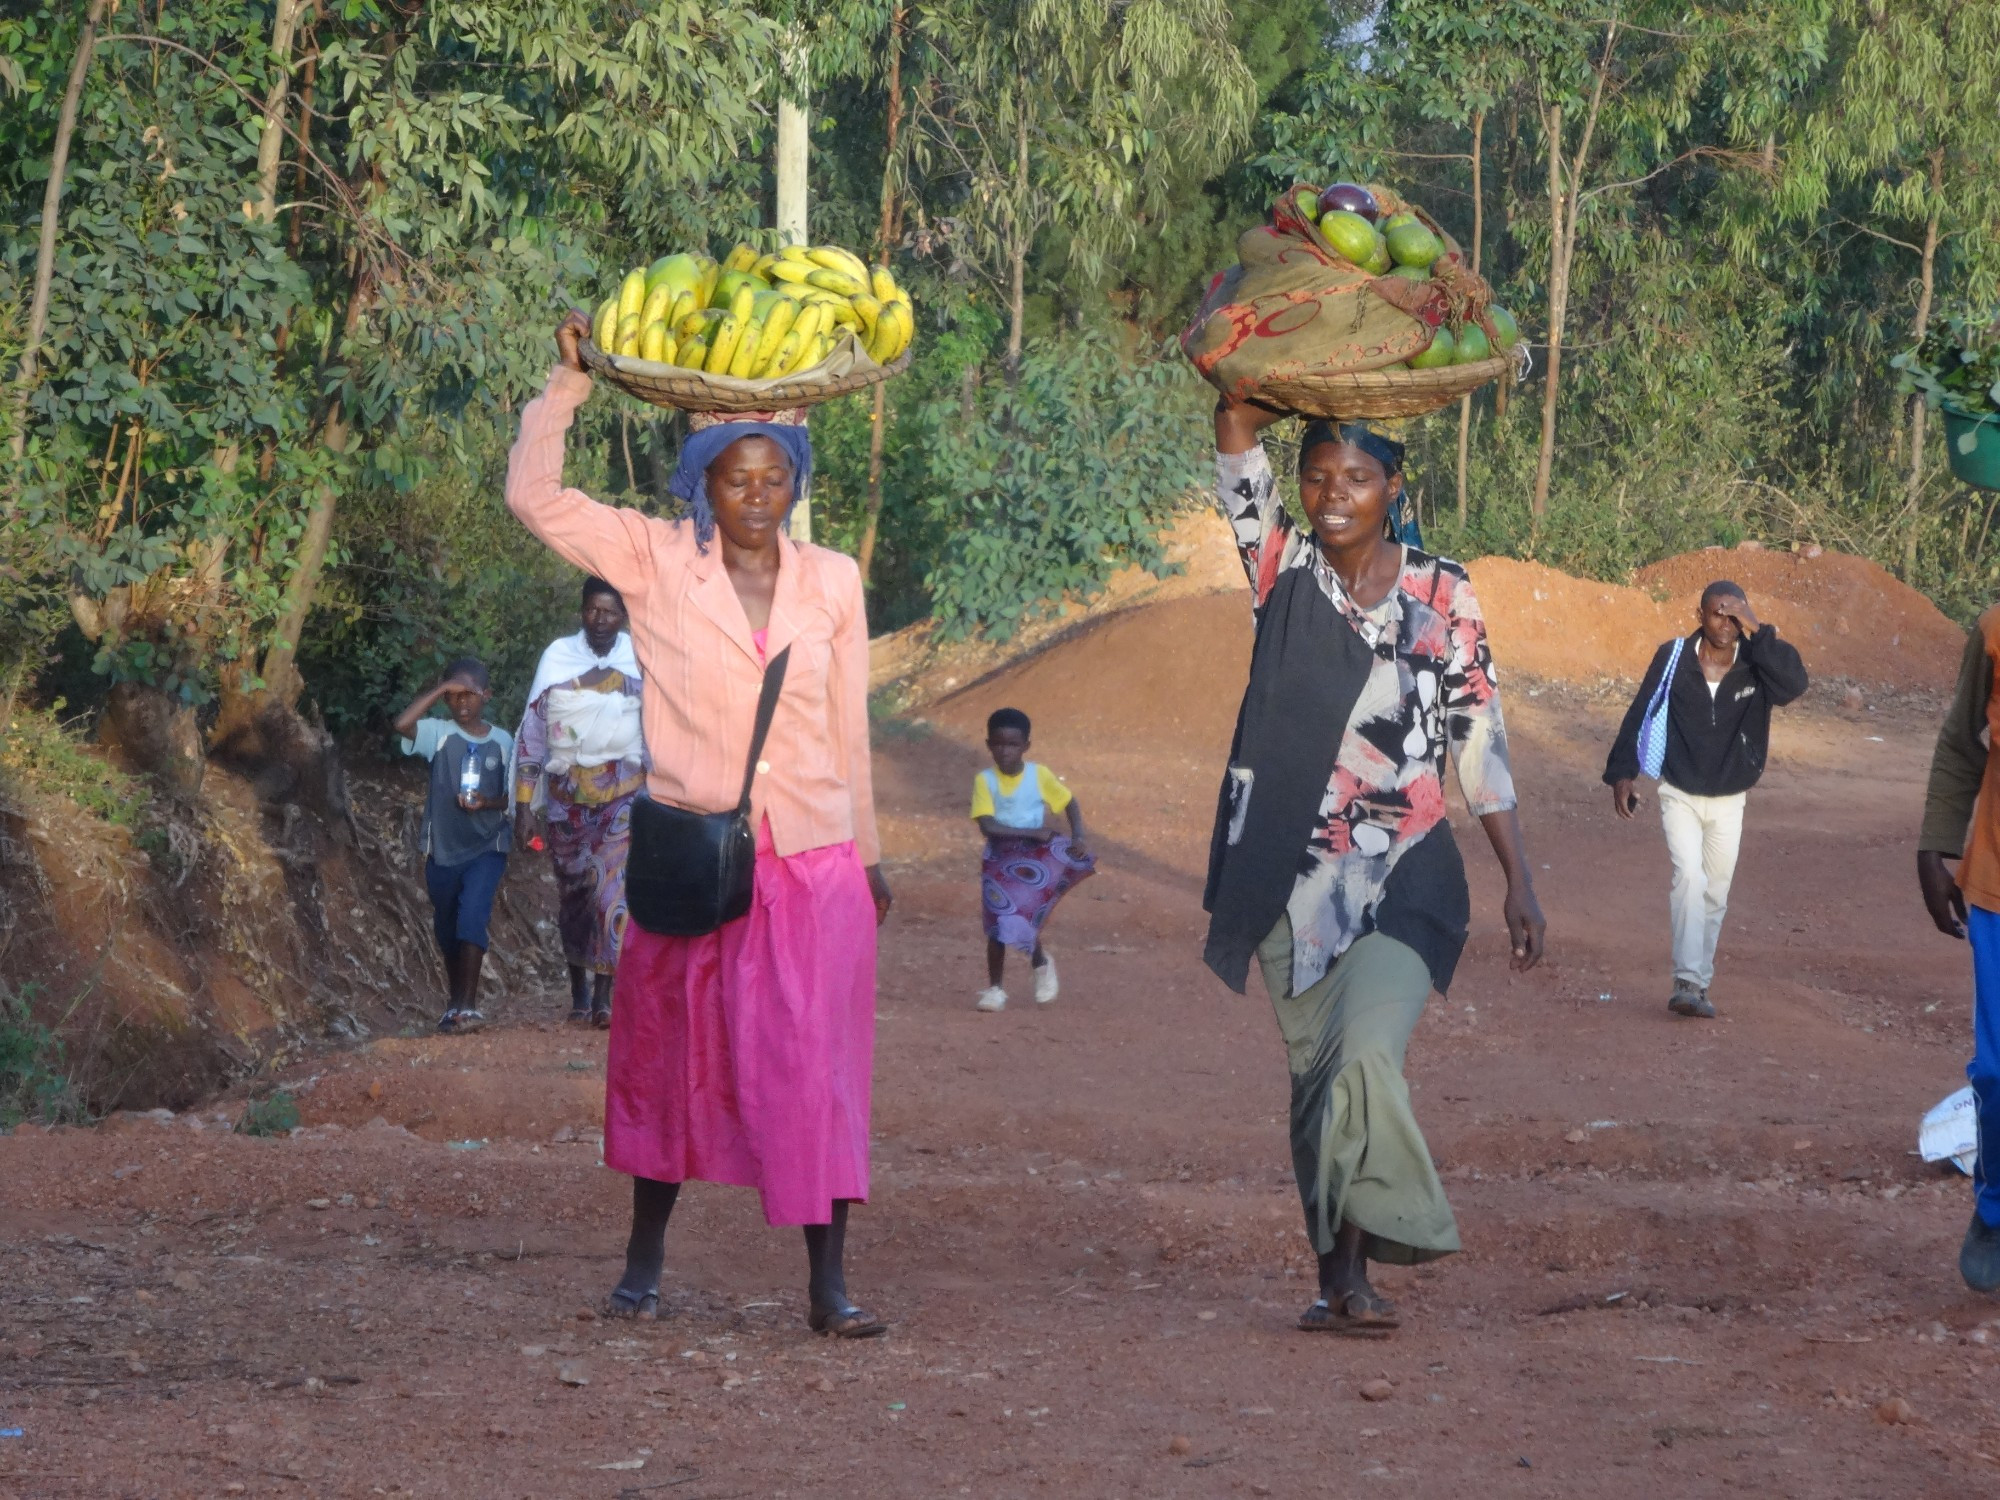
746	1056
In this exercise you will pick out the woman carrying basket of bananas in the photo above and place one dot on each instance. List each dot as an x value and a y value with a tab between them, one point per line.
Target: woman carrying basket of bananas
742	1032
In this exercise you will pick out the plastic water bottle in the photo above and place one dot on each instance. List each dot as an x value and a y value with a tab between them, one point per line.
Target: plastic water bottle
470	776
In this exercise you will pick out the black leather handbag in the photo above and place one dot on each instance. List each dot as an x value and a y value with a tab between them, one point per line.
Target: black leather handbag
689	873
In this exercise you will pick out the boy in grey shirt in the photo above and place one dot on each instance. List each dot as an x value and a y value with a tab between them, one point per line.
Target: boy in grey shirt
466	828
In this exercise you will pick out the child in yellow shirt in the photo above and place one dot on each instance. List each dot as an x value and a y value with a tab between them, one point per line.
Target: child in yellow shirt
1029	863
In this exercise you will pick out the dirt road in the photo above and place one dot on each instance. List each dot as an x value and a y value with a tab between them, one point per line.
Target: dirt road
1698	1258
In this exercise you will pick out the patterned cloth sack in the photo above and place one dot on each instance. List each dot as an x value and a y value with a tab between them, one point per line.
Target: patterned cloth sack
1653	728
1293	305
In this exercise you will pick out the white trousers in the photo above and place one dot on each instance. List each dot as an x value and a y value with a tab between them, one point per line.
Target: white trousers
1703	834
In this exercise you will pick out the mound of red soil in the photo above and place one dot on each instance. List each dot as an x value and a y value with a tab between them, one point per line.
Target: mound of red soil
1164	677
1848	617
1543	622
1175	669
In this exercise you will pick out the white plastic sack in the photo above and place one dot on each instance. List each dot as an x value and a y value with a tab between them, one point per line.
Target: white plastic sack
1950	1132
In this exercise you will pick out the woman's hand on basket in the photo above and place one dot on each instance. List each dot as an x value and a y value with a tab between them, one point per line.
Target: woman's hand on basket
1237	423
878	887
570	333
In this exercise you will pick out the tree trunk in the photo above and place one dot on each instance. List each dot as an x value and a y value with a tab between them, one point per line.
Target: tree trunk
281	673
1558	308
1566	211
45	255
792	196
152	733
1919	408
1478	230
270	145
865	554
1017	243
280	669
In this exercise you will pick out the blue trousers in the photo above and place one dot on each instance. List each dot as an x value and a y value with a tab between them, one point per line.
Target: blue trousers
462	899
1983	927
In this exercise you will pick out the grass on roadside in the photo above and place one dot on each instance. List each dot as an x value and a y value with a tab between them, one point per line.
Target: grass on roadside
34	1082
43	754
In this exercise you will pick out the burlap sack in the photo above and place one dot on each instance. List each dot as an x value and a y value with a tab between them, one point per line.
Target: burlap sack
1294	306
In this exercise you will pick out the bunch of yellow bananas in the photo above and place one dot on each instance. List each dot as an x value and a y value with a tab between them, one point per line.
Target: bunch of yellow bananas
753	315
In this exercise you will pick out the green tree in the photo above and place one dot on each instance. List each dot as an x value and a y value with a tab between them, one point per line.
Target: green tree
1906	115
1054	113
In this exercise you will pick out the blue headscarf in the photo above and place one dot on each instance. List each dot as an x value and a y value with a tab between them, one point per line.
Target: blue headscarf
1381	441
703	447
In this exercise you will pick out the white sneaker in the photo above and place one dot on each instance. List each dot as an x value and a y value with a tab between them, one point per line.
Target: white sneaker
1046	987
993	998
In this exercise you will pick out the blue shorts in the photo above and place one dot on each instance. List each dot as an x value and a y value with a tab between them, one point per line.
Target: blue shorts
462	898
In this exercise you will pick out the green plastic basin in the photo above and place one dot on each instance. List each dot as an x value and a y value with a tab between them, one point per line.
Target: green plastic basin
1980	466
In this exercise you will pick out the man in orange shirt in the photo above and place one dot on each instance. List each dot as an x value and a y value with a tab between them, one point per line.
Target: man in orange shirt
1962	795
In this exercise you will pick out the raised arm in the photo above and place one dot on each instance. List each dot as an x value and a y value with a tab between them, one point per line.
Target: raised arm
1246	491
619	546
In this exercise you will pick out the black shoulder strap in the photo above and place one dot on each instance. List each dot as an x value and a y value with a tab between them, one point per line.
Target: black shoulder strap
767	705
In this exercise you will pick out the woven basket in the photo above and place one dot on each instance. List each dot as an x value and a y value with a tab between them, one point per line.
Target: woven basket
847	369
1384	394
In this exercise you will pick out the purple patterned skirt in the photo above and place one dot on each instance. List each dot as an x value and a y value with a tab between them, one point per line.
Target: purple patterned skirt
587	846
1020	882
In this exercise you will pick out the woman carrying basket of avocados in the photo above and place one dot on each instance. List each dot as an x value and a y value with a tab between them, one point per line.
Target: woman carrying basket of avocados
740	1054
1332	863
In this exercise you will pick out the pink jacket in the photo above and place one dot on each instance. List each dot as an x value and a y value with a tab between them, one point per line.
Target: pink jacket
702	671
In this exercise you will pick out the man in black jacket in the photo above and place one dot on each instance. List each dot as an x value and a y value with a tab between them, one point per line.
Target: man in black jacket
1730	675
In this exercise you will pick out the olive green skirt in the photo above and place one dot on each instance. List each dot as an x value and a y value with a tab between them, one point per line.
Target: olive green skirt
1356	1148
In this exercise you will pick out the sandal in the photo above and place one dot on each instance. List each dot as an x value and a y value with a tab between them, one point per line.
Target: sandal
448	1022
579	1015
849	1322
600	1017
644	1308
465	1021
1367	1315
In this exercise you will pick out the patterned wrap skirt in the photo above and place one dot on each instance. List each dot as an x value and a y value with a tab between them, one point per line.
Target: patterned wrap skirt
1020	882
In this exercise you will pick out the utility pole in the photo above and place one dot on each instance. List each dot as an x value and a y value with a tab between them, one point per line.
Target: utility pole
791	175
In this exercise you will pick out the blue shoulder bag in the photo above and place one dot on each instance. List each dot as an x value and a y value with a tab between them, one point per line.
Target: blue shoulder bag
1653	728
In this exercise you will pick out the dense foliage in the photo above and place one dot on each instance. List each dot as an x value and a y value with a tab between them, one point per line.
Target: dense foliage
261	434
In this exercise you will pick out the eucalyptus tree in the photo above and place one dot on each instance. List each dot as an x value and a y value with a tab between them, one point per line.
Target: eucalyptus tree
1054	113
240	331
1909	115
